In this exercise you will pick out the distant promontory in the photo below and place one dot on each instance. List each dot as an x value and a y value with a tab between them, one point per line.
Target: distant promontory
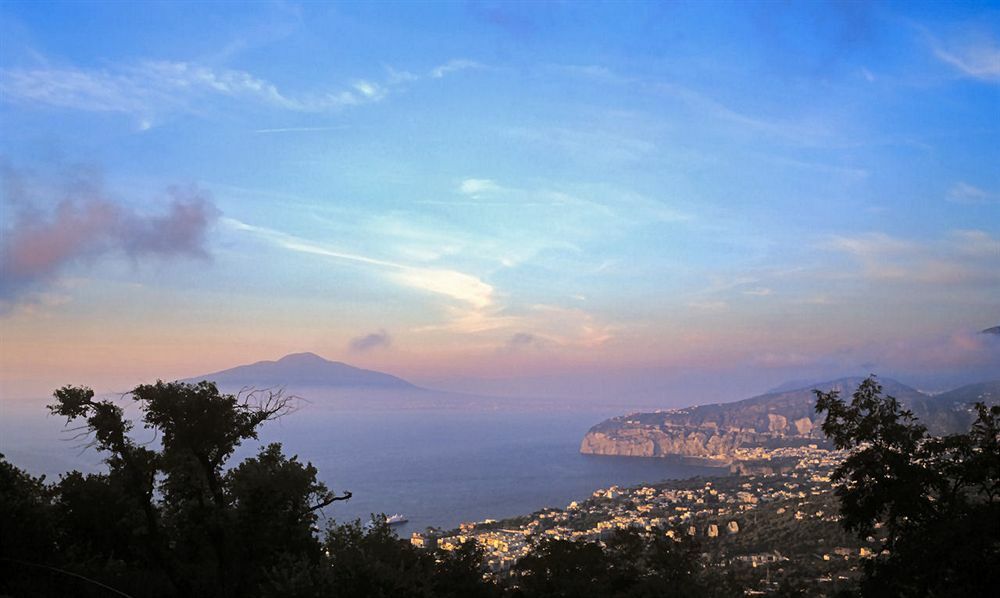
726	432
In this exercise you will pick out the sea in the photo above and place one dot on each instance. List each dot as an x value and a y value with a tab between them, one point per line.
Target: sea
438	467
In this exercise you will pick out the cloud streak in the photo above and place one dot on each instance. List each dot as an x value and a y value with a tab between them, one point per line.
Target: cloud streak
152	88
456	285
453	66
964	193
473	305
963	257
977	57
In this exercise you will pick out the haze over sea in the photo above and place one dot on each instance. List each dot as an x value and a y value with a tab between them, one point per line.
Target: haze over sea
437	466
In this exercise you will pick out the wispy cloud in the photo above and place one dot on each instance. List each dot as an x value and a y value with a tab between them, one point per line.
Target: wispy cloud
594	72
975	55
707	106
964	193
296	130
604	144
871	245
453	66
476	187
456	285
962	257
150	89
790	130
473	306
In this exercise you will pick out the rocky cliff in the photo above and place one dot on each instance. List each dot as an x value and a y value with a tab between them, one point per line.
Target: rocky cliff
780	419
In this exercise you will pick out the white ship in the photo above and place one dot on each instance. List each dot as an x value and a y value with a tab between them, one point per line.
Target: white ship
396	519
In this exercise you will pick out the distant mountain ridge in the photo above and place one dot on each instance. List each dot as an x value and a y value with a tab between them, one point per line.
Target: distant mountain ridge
785	418
304	370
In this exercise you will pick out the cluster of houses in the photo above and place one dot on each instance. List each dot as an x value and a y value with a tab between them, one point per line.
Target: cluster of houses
705	508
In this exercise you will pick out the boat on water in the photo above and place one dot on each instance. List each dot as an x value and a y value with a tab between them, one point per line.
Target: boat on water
396	519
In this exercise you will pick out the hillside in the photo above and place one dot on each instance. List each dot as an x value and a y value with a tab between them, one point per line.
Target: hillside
772	420
304	370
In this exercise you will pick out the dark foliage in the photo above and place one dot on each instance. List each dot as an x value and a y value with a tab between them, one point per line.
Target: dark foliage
631	564
173	517
164	519
935	499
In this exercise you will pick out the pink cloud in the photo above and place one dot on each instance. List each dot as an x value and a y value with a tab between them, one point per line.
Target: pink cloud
38	243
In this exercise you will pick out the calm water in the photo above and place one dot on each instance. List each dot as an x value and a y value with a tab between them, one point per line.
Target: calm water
437	467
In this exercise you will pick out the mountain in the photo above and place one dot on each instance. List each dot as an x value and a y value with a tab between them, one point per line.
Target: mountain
304	370
994	330
986	392
794	385
723	432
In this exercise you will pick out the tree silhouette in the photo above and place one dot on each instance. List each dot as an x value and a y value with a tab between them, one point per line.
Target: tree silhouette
166	518
935	499
631	563
174	518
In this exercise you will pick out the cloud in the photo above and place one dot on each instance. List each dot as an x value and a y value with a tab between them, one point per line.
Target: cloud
368	342
594	72
870	245
773	359
977	57
963	355
150	89
296	130
520	341
453	66
475	187
962	257
962	348
552	326
964	193
591	141
41	240
453	284
974	243
759	292
799	132
570	327
371	91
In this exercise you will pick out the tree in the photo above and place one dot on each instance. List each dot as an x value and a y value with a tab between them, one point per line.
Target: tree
564	568
369	561
173	512
934	498
174	518
26	531
631	564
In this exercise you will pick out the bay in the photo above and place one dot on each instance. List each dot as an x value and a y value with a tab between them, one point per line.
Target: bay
437	467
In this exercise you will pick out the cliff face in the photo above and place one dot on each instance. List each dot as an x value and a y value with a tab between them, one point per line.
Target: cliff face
773	420
647	441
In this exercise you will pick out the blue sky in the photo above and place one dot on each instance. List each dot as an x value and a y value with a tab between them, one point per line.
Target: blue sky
518	197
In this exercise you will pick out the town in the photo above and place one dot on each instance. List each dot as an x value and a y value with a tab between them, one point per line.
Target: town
778	519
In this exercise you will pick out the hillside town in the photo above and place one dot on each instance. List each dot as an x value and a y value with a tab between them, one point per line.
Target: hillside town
732	518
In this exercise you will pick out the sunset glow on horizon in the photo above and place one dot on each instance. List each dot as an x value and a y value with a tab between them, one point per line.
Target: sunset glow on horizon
515	198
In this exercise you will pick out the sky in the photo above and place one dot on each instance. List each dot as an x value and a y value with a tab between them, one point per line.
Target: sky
681	200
